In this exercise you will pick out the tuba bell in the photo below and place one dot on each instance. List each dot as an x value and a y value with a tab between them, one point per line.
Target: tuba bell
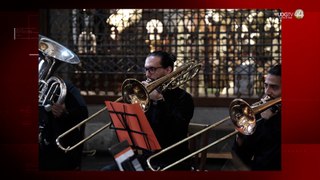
52	89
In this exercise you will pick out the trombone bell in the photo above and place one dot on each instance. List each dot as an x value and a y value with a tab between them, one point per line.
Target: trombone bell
134	92
242	116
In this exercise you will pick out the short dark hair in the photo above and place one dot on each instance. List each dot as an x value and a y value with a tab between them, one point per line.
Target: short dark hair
275	70
167	59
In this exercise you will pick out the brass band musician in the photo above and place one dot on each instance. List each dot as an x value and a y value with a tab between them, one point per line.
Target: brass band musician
52	123
262	149
170	111
169	114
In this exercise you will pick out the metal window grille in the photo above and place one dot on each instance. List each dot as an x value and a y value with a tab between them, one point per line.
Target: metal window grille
236	47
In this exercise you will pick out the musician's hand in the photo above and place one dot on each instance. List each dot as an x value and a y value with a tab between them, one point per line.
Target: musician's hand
146	82
267	114
58	109
155	95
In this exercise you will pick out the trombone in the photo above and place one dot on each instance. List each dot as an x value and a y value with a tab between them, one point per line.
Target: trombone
134	91
242	116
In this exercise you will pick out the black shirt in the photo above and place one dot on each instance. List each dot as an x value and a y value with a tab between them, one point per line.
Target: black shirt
262	149
169	119
50	156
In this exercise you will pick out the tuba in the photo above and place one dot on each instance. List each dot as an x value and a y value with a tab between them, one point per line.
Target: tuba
52	89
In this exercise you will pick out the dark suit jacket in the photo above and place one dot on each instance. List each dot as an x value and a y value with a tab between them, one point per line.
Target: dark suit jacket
50	156
262	149
169	119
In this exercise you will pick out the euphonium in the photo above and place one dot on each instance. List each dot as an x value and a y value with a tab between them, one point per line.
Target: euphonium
52	89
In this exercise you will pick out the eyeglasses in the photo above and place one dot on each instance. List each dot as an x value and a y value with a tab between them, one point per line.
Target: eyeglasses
152	69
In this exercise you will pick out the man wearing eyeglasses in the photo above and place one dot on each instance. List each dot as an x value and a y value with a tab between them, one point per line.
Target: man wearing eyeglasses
170	111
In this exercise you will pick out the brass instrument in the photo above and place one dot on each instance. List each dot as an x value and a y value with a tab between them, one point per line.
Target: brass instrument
52	89
135	92
242	116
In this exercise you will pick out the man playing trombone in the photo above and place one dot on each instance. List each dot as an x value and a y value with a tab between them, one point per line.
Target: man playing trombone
170	111
262	149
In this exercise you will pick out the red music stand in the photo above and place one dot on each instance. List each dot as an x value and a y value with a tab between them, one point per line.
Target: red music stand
131	124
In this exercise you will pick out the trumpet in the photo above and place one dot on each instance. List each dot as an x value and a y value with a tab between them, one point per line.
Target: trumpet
242	116
134	91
